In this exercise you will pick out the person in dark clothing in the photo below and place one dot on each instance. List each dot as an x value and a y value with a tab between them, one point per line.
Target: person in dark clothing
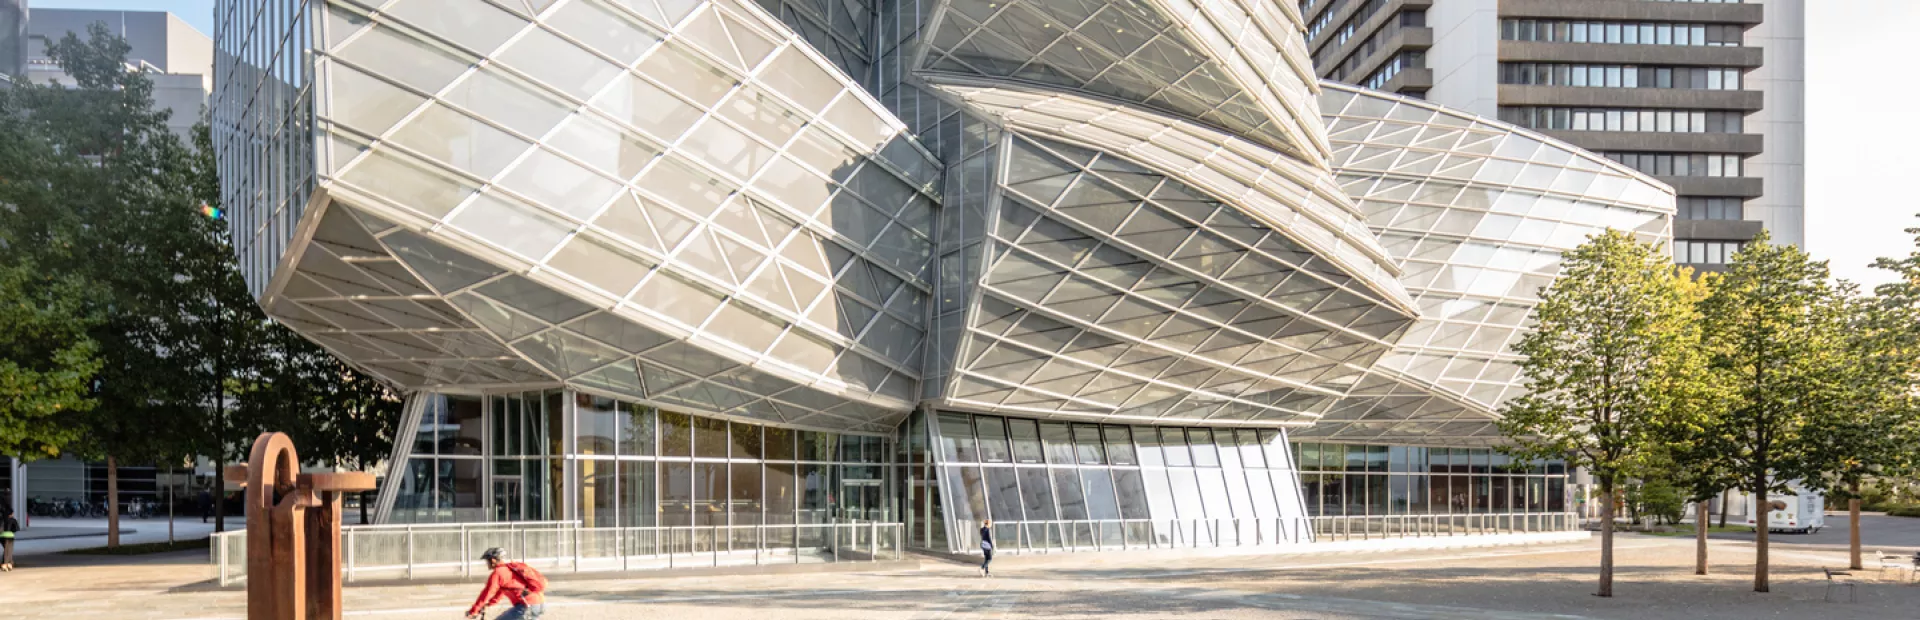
986	547
206	505
8	527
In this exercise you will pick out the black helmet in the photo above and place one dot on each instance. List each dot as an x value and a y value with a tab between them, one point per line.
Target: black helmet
492	553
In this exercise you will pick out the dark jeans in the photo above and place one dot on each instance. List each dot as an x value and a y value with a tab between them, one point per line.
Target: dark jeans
986	558
524	612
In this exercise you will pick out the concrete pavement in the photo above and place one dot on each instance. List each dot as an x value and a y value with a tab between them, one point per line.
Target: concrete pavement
1540	582
85	533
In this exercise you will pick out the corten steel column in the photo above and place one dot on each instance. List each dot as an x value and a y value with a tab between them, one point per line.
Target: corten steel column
293	532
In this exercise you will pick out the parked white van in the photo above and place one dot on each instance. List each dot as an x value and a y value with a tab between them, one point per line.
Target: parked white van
1802	511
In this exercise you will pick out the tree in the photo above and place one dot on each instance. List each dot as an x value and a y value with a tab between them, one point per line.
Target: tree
119	216
1870	432
231	338
1613	355
47	361
1691	452
1662	500
96	191
1774	326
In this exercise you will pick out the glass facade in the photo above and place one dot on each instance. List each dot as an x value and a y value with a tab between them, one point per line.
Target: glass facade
1050	484
555	455
262	125
1477	213
1360	490
734	264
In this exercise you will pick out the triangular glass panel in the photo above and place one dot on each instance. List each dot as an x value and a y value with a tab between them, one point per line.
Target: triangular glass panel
445	269
496	317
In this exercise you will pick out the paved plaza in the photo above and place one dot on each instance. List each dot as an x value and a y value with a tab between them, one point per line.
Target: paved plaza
1501	583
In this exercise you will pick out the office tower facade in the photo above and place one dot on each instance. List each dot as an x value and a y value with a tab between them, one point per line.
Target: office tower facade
1708	96
1103	273
178	58
13	40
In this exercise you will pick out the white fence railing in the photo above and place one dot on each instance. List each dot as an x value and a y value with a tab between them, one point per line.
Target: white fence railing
451	550
1329	529
1122	534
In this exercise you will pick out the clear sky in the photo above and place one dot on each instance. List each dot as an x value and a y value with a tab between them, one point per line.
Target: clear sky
1861	128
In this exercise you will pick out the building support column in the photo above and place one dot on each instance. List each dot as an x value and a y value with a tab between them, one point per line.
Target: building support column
17	480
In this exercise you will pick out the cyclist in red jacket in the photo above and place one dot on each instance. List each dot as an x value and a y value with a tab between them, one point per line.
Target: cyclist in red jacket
520	584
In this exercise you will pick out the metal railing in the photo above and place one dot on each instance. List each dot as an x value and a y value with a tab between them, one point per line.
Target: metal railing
1328	529
450	550
1122	534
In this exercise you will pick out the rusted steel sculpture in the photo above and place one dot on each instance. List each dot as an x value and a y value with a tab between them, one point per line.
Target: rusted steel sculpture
293	532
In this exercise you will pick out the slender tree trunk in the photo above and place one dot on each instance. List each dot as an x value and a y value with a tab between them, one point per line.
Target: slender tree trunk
1723	507
366	508
1760	531
1606	540
1853	528
1701	521
113	503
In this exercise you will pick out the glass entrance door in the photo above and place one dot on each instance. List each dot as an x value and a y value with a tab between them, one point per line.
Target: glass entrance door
861	498
509	499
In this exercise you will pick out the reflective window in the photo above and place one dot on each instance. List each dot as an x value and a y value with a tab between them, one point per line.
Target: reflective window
1101	479
1620	76
1652	120
1622	33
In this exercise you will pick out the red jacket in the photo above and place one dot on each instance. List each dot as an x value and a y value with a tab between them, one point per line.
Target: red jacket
504	583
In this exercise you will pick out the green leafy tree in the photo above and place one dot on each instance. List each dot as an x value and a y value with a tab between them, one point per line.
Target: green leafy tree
1661	500
1614	354
1870	432
119	219
1691	453
1774	328
232	340
47	360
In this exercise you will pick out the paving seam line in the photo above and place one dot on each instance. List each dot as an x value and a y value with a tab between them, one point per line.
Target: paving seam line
1209	571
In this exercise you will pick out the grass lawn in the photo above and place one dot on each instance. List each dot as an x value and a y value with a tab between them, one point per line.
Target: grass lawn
1686	529
144	548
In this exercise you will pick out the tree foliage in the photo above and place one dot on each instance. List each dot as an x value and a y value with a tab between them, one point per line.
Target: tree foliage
1774	329
126	331
1612	361
108	212
47	360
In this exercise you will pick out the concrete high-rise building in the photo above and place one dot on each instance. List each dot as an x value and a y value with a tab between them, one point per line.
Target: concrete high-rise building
179	57
1708	96
13	40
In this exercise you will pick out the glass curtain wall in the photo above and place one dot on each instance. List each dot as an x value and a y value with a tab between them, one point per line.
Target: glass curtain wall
525	444
1364	491
641	466
441	481
559	455
1058	485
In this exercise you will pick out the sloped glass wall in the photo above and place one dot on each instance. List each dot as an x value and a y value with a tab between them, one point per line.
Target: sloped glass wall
1050	484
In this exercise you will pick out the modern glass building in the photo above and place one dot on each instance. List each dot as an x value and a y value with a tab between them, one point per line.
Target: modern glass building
1104	273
